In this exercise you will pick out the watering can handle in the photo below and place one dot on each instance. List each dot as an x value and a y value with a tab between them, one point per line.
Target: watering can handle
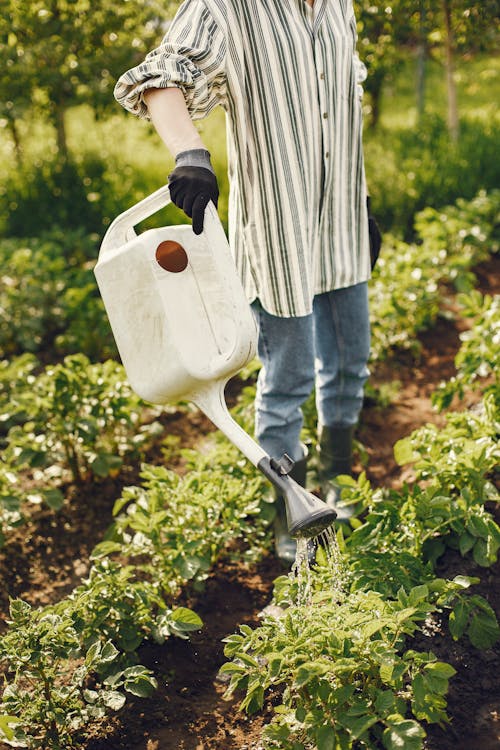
122	228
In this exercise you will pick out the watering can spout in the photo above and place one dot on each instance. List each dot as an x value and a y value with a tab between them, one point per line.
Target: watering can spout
307	515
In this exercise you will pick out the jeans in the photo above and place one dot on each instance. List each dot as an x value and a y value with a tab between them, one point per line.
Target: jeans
327	350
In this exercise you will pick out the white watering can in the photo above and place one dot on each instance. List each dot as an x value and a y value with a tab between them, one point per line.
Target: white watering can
183	328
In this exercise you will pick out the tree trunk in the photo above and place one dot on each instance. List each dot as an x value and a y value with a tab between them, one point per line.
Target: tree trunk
376	98
12	125
62	143
421	59
450	72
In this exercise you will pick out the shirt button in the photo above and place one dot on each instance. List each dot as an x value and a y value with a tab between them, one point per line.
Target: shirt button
327	155
325	115
322	76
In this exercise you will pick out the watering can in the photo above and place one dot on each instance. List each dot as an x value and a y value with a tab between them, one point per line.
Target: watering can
183	328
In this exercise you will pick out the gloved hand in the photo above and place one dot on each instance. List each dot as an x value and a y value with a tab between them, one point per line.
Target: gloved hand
374	235
193	185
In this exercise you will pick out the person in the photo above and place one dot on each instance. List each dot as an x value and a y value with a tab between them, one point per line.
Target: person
288	76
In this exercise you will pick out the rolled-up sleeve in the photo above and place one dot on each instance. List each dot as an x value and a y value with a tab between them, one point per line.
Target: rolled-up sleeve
191	57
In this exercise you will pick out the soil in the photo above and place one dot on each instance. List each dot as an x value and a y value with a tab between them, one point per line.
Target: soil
46	558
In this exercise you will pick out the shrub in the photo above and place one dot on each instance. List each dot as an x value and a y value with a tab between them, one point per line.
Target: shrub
413	168
49	299
81	418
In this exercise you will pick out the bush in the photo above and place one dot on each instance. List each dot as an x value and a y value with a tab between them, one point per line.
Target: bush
414	168
49	298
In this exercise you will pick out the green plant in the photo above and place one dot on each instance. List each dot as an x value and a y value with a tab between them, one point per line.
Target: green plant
425	168
16	376
49	298
83	419
338	656
477	360
405	296
463	234
166	534
341	667
53	687
119	604
176	527
10	501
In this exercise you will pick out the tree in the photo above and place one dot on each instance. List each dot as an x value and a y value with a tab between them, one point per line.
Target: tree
387	30
380	28
59	53
461	26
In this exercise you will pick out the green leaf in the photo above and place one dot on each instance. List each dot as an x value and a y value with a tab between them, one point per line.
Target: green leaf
103	549
405	734
358	725
109	653
404	452
120	504
478	527
482	554
483	630
435	683
253	700
326	738
104	463
441	669
142	685
10	503
93	654
458	620
466	543
114	699
384	701
5	725
465	582
310	671
53	498
300	714
185	619
418	594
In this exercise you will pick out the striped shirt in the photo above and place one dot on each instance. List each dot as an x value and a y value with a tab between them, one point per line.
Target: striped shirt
288	78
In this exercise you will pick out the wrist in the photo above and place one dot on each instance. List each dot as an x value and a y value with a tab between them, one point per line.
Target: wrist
195	157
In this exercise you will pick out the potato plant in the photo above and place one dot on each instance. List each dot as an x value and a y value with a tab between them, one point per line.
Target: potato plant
174	528
346	675
10	501
81	420
54	688
404	291
341	665
16	376
49	299
477	358
167	534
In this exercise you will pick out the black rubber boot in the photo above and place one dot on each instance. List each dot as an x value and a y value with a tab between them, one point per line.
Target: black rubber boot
285	545
335	458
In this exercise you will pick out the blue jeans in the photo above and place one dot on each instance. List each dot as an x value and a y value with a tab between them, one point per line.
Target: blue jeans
328	350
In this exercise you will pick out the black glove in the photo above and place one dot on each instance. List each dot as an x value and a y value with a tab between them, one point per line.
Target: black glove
193	186
374	235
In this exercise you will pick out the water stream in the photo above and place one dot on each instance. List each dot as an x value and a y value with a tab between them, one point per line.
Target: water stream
303	566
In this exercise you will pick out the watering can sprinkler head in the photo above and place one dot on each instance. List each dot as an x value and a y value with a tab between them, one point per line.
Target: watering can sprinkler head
306	515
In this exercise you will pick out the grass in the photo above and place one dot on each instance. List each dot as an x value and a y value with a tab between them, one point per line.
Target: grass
478	87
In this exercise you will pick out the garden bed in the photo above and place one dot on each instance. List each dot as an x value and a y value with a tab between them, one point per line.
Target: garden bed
44	561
